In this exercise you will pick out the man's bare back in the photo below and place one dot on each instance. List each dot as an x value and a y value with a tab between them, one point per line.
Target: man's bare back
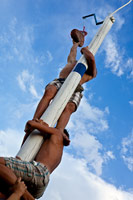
50	153
47	159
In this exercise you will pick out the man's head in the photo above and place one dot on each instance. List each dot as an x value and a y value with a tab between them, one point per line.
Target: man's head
66	140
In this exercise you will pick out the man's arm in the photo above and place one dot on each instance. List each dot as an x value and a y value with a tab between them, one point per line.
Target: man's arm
91	71
42	127
28	129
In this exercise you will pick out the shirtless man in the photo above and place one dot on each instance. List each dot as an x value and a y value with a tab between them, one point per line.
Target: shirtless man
36	174
50	154
53	87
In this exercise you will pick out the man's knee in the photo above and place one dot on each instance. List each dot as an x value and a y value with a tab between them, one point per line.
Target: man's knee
50	92
70	107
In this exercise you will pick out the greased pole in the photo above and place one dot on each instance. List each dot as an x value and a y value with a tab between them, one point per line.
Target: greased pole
33	143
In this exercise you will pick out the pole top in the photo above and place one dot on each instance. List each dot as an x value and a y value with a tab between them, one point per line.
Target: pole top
112	19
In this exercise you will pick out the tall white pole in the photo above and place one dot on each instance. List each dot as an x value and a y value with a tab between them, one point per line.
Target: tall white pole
53	112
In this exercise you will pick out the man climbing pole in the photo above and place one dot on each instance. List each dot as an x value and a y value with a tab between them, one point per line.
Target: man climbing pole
52	88
36	174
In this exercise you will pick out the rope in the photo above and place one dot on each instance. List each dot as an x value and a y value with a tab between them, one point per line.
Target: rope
121	7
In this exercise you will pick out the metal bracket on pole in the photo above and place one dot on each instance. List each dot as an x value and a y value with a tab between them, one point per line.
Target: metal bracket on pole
97	23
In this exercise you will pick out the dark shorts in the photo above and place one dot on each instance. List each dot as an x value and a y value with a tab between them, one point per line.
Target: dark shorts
34	174
77	95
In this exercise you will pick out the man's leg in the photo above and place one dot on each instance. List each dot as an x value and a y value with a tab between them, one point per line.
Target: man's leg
71	107
65	116
49	94
8	176
3	189
2	196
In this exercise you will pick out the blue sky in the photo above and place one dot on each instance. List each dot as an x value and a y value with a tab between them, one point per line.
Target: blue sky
34	44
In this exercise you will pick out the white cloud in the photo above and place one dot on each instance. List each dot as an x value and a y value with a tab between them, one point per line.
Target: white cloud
119	22
131	103
90	117
83	143
129	66
25	81
16	42
72	180
109	155
21	111
115	58
127	151
50	57
21	82
88	147
23	78
33	91
10	141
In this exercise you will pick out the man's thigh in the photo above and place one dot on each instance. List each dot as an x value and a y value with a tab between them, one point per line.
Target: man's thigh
2	161
50	90
3	187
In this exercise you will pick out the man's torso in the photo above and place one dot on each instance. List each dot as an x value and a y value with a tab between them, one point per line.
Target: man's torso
50	153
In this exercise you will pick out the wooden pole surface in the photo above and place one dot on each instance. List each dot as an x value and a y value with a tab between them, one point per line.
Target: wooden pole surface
33	143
